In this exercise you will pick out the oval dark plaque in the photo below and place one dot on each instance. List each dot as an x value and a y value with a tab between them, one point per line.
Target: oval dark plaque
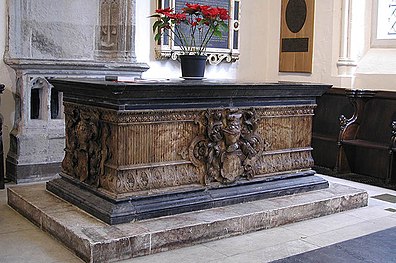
296	14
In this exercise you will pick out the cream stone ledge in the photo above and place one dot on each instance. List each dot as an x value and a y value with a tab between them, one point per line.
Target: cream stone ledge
376	70
67	66
346	66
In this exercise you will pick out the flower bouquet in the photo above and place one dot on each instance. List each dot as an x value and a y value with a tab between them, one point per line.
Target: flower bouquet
191	29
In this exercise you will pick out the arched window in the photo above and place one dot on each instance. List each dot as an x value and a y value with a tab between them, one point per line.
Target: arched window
45	100
36	99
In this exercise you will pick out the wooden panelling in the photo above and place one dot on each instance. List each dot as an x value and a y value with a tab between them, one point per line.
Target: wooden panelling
326	126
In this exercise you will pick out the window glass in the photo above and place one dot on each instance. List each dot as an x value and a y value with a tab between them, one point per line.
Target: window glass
386	22
383	34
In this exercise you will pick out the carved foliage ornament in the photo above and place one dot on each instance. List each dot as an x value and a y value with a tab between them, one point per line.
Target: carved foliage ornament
229	145
86	145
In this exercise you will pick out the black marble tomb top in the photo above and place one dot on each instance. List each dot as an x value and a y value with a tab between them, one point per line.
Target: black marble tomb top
175	94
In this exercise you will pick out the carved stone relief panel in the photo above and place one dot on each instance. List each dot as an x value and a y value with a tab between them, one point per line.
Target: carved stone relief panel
143	143
272	162
150	178
110	17
128	151
87	147
229	146
116	30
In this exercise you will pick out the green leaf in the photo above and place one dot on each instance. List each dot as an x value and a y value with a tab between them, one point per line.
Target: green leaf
156	25
224	26
217	33
162	25
155	15
157	37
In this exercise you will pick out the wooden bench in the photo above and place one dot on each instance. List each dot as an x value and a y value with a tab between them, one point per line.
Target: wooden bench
326	129
367	140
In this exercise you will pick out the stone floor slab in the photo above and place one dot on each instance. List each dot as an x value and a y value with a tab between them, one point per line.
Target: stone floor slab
376	247
95	241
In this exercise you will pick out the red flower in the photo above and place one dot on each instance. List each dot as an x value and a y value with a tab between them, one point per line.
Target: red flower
164	11
178	17
211	13
192	8
207	19
204	8
223	14
195	7
181	16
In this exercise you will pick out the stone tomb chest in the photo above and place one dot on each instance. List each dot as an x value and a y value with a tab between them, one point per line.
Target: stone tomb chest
153	148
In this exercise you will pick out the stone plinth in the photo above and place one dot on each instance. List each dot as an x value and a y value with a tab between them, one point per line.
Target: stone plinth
94	241
154	148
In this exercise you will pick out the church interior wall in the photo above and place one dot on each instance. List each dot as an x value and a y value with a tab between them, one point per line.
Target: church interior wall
260	23
7	77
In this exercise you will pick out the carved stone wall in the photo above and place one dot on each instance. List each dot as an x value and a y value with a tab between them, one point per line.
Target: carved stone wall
64	30
116	29
56	29
64	39
126	152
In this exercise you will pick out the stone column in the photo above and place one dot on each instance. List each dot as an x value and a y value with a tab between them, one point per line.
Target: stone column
346	63
63	39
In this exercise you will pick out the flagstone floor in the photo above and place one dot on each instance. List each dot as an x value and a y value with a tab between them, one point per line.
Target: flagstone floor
21	241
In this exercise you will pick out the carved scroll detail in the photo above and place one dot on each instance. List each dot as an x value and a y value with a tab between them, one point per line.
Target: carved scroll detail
86	145
213	58
349	127
228	146
143	179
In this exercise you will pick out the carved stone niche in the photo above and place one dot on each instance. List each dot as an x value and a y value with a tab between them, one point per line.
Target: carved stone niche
141	150
60	38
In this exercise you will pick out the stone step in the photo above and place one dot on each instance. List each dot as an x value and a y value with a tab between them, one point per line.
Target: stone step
95	241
